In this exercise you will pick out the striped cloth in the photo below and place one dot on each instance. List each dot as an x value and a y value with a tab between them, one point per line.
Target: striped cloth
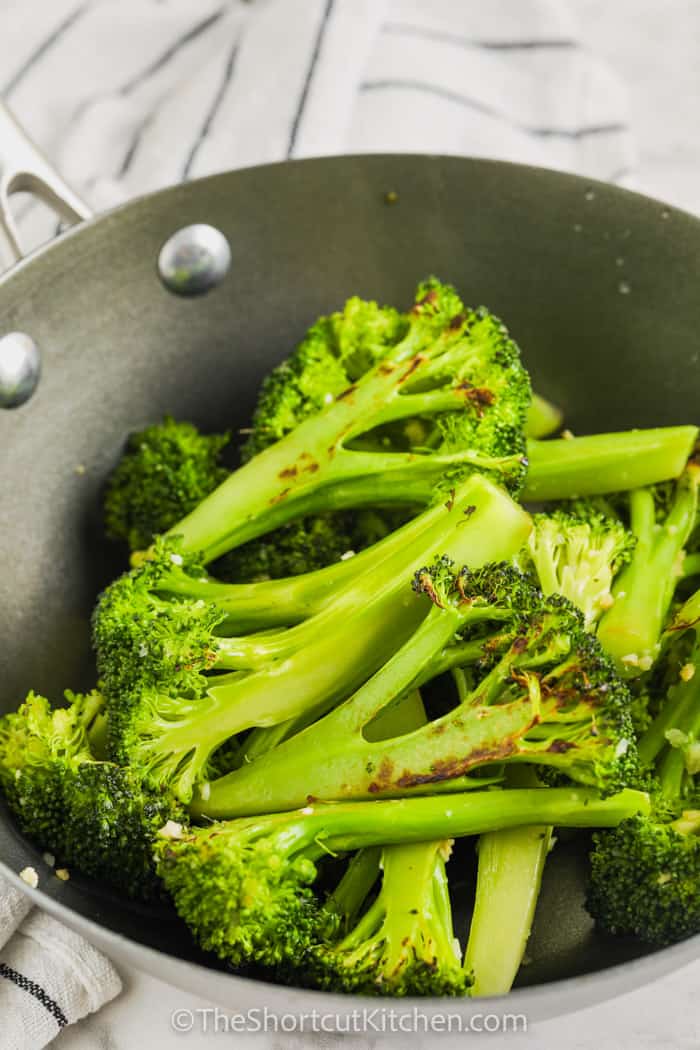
128	96
49	976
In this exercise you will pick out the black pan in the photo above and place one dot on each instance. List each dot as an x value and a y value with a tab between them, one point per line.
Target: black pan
598	285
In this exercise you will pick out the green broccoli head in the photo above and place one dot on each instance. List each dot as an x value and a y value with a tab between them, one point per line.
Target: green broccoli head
140	636
166	470
335	352
403	943
645	878
578	554
93	816
310	543
245	888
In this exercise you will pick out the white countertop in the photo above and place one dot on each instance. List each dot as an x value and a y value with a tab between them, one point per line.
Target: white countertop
653	45
663	1016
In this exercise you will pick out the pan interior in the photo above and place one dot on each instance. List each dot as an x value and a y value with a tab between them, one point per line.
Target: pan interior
598	286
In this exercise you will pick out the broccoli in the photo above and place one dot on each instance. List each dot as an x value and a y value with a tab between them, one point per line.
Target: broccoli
543	418
309	544
645	876
661	519
542	692
93	815
403	943
159	657
569	468
574	552
454	370
335	352
578	554
166	470
245	887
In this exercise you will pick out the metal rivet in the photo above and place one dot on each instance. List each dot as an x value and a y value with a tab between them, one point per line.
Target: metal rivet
194	260
20	368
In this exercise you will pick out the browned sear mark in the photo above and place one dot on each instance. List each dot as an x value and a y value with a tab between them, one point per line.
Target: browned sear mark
450	768
288	472
384	773
347	392
560	747
479	396
416	362
428	298
280	496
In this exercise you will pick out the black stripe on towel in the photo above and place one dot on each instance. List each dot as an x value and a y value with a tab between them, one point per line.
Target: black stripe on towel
309	74
34	989
442	36
211	114
162	60
490	111
42	49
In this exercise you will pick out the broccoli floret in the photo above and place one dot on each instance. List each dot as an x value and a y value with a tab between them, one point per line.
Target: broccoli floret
92	815
335	352
160	655
541	692
245	887
309	544
454	376
166	470
577	554
645	876
661	519
403	943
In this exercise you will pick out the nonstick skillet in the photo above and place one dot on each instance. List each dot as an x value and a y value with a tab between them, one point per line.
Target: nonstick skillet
599	286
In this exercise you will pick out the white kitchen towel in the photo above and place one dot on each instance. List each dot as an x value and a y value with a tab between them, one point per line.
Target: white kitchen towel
49	976
127	96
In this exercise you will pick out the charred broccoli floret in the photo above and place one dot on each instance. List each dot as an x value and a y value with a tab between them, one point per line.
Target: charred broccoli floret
541	691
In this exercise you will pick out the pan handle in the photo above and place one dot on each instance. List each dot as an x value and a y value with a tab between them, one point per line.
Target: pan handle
25	169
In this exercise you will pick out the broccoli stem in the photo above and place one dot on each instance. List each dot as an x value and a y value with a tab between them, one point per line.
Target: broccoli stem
600	463
346	826
543	418
510	870
631	629
359	877
691	565
286	602
511	864
671	716
313	468
672	767
414	886
321	666
359	768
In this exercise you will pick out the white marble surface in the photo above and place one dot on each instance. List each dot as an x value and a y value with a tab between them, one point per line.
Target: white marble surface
653	44
663	1016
